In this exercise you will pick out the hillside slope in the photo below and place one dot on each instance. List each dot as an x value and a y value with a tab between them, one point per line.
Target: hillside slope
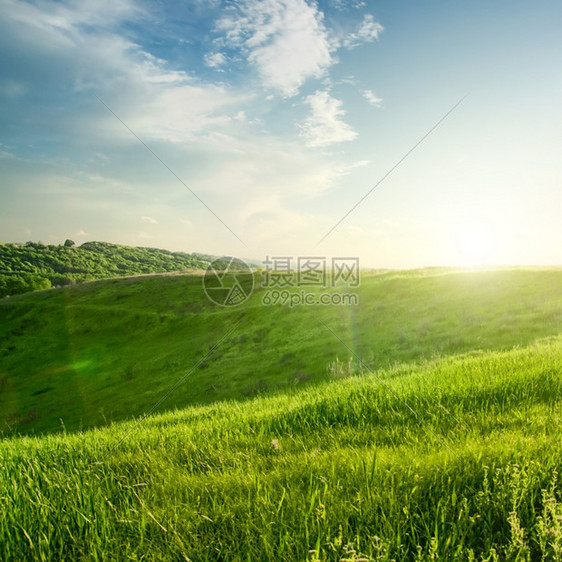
457	459
104	351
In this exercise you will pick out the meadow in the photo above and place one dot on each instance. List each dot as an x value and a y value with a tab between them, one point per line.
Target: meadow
455	459
423	424
91	354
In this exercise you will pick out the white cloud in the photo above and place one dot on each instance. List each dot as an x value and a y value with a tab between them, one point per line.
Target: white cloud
325	126
215	60
268	219
60	22
259	183
372	98
85	49
264	166
350	80
368	31
181	112
284	39
347	4
81	232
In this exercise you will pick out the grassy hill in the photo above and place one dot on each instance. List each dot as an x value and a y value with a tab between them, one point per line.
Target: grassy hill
104	351
455	459
422	424
34	266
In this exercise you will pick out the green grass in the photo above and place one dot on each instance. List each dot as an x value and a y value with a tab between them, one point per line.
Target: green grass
104	351
454	458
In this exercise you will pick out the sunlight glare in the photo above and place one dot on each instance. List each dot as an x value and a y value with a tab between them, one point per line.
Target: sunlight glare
476	244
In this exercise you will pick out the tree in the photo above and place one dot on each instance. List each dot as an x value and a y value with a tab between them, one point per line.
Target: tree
69	243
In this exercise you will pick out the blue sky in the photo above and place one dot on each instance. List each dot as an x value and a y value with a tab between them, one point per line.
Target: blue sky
280	115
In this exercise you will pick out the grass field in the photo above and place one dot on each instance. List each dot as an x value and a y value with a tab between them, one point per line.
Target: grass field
455	459
439	440
104	351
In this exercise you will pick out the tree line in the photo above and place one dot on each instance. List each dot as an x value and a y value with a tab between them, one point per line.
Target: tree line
34	266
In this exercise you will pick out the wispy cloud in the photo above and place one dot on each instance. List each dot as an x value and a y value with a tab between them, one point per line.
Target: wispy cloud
12	89
59	24
286	40
6	154
223	137
368	31
325	125
372	98
348	4
86	50
215	60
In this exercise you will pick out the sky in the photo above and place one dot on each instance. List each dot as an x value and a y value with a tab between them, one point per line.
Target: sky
253	127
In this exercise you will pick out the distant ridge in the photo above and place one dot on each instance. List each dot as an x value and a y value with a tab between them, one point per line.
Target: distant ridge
35	266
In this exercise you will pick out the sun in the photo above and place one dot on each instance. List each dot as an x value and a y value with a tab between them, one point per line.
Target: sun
475	243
